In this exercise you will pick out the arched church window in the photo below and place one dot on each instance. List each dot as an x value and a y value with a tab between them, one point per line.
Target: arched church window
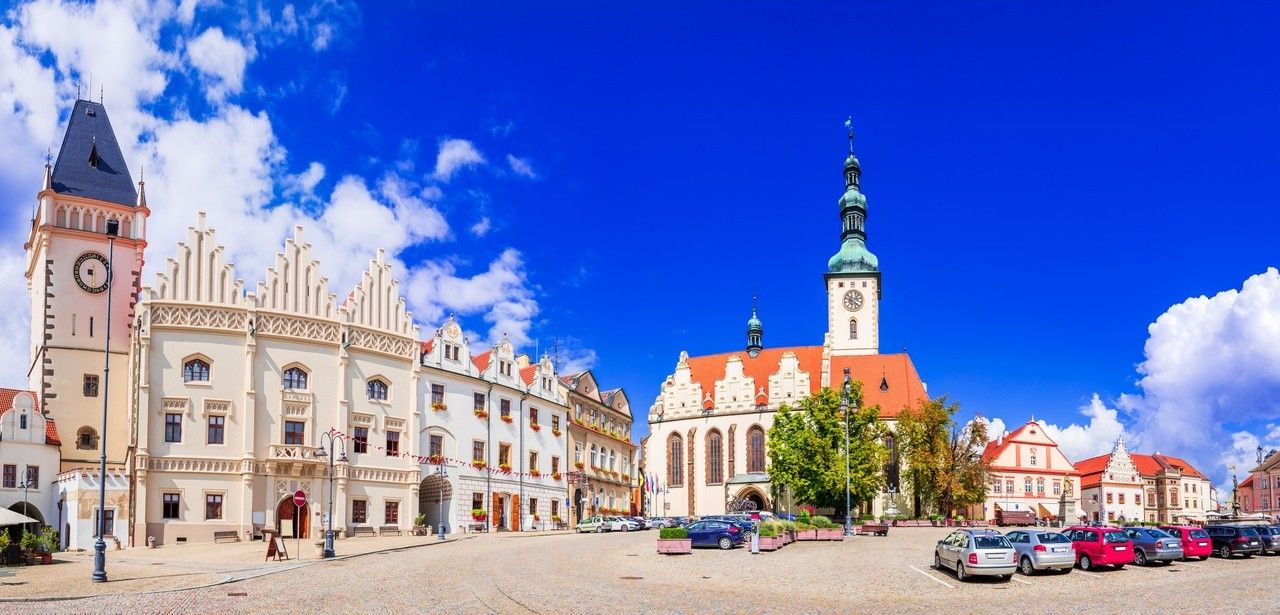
755	449
675	460
295	379
86	438
377	389
853	328
195	370
715	456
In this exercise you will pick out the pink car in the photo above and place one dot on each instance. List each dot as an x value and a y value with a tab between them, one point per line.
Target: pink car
1100	546
1195	541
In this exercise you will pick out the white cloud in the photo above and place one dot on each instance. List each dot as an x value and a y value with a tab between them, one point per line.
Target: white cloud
222	60
303	185
456	154
481	227
501	293
995	426
521	167
1093	438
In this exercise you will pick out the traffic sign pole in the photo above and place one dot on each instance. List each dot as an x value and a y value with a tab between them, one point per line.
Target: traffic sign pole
299	500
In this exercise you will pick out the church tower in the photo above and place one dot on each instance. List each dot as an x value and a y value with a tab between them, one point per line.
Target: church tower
853	274
755	332
88	214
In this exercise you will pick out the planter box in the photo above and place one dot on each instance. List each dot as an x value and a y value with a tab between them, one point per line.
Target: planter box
806	534
772	543
675	546
830	534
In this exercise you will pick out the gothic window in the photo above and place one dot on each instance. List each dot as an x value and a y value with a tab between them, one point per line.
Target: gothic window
891	469
755	449
195	370
295	379
87	439
853	328
675	460
377	389
715	464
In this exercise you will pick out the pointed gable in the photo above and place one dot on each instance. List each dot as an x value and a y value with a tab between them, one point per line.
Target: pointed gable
198	272
90	164
376	301
294	283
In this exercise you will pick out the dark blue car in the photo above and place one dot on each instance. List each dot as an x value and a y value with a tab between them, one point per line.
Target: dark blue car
709	533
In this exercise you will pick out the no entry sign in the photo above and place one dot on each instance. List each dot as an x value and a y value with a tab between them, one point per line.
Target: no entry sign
299	498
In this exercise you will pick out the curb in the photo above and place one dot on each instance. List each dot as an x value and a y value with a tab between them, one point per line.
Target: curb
229	579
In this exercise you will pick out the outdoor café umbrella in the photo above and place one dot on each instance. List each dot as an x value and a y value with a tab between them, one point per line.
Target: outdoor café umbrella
9	517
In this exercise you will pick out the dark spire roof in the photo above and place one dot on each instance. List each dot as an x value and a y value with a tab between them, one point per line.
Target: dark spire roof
90	163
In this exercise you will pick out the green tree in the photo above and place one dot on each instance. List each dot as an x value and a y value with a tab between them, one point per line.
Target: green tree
962	481
923	438
807	449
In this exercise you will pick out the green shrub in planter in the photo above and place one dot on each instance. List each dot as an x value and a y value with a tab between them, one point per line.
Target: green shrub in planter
673	533
823	523
29	541
769	530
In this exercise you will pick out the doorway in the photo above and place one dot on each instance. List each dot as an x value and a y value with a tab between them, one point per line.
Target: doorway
285	519
579	500
434	500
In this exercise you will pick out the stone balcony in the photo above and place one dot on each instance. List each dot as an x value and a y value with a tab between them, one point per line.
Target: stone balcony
297	452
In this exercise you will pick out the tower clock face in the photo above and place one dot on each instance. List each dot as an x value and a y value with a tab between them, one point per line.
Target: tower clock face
91	272
853	301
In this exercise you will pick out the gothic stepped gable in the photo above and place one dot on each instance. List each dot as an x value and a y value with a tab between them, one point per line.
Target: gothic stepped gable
376	301
198	273
294	283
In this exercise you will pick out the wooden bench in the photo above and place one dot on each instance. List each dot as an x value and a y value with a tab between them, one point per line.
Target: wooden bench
363	530
878	529
226	535
478	527
389	530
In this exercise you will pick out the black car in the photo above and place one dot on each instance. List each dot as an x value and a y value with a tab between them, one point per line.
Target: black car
1229	540
1270	535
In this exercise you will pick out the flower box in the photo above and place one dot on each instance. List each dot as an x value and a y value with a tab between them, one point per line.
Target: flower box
771	543
675	546
505	467
579	465
806	534
556	475
507	419
535	474
535	426
479	465
481	414
477	515
436	459
830	534
439	406
555	432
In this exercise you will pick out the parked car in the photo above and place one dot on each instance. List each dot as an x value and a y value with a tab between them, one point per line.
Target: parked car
620	524
1229	540
742	521
1100	546
1042	550
713	533
976	553
1270	535
592	524
642	522
1153	545
661	522
1195	541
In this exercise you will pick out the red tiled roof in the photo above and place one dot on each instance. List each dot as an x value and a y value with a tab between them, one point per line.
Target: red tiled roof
482	360
904	386
50	430
1147	465
997	446
427	345
1091	470
526	373
1248	482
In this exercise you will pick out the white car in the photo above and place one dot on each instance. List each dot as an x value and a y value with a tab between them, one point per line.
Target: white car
618	524
592	524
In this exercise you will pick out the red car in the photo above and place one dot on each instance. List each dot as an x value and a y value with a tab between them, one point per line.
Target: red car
1100	546
1195	541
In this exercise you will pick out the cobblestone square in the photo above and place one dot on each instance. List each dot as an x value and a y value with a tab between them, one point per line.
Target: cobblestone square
621	572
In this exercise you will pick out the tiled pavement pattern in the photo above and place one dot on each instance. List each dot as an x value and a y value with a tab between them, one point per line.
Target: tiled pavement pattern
598	573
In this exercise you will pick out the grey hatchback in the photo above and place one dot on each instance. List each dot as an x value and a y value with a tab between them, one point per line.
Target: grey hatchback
1042	550
975	552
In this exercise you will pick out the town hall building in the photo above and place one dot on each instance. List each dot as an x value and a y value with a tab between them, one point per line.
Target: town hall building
709	423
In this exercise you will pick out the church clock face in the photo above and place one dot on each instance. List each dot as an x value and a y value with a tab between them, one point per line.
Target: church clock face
853	301
91	272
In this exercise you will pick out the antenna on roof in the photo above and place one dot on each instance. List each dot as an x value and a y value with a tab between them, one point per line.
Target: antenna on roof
77	89
101	94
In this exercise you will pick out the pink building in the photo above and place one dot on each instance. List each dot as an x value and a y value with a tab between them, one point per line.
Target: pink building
1260	493
1029	472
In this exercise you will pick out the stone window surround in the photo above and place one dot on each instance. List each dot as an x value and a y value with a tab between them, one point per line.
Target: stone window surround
222	507
386	382
177	492
197	383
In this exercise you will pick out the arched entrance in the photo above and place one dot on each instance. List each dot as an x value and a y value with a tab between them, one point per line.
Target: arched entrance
749	499
15	531
289	526
579	501
435	500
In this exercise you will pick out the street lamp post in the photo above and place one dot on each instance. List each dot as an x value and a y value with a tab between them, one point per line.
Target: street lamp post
333	440
444	478
26	484
100	545
844	409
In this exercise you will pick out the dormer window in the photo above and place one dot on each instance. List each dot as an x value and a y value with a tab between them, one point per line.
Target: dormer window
451	352
94	159
504	368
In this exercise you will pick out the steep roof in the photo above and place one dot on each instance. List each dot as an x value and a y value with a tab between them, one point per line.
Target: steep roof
1091	470
526	373
482	360
90	163
1147	465
1247	483
995	447
428	345
902	384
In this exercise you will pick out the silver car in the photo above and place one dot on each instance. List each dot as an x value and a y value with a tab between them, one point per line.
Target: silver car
1152	545
1042	550
976	553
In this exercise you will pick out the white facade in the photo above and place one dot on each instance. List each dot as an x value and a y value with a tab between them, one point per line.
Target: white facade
853	313
78	490
29	459
1113	494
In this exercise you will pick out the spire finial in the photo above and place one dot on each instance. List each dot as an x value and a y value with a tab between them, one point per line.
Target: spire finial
848	124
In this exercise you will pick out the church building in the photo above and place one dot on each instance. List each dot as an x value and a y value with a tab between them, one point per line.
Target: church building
709	423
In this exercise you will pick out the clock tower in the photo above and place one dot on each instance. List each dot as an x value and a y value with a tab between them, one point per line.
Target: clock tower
88	215
853	274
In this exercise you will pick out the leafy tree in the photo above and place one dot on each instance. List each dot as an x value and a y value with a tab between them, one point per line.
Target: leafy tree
923	438
807	449
962	480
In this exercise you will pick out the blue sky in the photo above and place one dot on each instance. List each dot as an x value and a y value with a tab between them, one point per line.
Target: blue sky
1044	182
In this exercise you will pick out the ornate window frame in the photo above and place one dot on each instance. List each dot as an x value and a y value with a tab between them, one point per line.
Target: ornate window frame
208	366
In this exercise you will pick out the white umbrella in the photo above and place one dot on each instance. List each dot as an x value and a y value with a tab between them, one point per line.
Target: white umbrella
9	517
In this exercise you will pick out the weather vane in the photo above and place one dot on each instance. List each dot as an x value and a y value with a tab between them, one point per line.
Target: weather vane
848	124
